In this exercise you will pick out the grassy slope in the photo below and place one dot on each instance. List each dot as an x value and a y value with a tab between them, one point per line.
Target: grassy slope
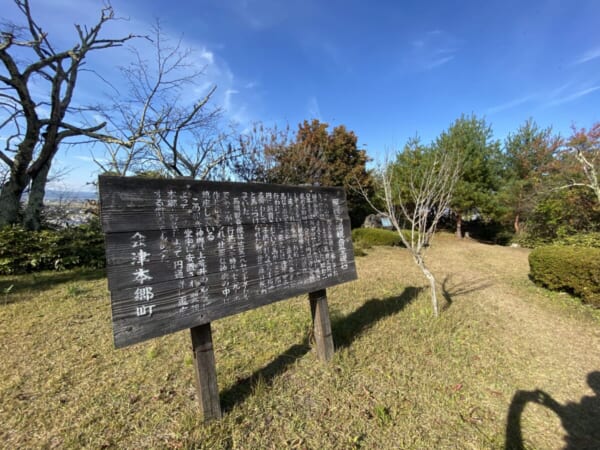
399	379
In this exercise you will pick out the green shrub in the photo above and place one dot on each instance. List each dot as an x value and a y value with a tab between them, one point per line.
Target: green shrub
568	268
589	240
24	251
527	240
81	246
564	212
368	237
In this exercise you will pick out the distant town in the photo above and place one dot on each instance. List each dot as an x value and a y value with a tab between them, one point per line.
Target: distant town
70	208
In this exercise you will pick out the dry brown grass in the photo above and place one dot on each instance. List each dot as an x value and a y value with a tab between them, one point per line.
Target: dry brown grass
399	378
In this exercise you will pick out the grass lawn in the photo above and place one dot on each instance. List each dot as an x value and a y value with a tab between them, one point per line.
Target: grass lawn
399	378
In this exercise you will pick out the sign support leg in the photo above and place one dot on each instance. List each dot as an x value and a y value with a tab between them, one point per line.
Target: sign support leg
206	372
321	324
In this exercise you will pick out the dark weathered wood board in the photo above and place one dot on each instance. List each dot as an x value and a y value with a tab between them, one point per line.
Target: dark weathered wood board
183	253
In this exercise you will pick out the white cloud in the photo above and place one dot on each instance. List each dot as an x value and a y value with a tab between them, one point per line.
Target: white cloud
573	96
314	112
207	55
567	92
438	62
203	88
431	50
228	94
588	56
559	90
264	14
510	104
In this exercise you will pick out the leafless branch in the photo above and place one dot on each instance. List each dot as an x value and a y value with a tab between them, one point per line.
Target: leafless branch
157	122
40	131
584	146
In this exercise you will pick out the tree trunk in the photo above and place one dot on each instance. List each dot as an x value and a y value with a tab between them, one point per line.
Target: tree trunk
517	225
10	201
32	217
434	303
458	226
12	190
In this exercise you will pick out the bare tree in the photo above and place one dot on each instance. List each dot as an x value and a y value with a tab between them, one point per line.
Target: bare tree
36	126
166	131
415	205
584	146
257	149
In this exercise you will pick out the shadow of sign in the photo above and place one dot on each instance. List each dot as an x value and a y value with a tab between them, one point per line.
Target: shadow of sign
581	421
345	330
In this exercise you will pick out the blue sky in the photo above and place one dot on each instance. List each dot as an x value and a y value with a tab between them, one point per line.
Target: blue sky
386	69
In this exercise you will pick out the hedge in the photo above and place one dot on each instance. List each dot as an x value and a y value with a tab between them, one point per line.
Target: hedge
590	239
568	268
23	251
580	240
368	237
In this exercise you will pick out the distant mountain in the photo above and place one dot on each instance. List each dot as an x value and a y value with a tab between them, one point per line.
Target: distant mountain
53	195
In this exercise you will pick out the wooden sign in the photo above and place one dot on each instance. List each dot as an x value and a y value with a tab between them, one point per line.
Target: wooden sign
183	253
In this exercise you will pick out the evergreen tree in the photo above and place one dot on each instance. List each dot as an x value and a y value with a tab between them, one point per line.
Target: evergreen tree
476	193
531	160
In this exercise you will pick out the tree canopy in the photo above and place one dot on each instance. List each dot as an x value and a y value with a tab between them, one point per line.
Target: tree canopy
476	191
530	163
314	156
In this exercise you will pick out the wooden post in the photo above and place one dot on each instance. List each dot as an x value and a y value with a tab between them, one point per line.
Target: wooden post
321	324
206	372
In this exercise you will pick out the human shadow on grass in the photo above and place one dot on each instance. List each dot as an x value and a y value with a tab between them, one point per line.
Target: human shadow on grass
581	421
345	330
42	281
450	290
